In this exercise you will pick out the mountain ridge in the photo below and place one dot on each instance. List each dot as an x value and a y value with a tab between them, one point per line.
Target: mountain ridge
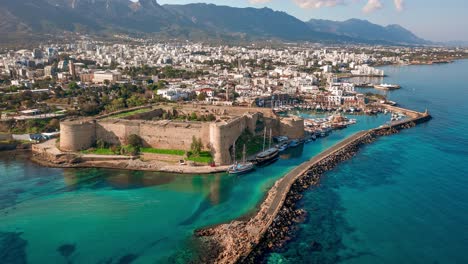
190	21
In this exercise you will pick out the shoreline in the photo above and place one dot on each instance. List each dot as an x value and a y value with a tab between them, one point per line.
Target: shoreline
47	154
247	241
127	165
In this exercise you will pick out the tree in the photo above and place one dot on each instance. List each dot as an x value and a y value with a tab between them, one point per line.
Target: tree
116	104
89	109
53	125
135	100
211	117
193	116
73	86
135	141
196	146
101	144
201	97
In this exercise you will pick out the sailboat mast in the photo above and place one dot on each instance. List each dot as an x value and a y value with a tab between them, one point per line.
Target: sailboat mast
264	139
243	155
234	150
269	146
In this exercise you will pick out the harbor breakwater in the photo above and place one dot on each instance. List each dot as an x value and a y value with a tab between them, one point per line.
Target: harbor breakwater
273	225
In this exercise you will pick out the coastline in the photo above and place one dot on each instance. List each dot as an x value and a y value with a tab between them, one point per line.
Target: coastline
247	241
129	164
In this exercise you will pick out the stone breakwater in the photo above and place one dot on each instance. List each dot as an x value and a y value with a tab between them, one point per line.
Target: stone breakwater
274	224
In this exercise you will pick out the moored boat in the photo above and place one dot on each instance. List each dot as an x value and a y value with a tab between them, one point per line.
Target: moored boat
294	143
283	147
268	156
243	167
386	86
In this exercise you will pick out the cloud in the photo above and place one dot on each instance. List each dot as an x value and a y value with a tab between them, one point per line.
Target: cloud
372	5
399	4
318	3
255	2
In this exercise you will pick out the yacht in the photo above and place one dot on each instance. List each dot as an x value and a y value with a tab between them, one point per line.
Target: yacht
386	86
243	167
267	156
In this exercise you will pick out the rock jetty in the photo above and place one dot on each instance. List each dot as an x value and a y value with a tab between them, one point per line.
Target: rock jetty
274	224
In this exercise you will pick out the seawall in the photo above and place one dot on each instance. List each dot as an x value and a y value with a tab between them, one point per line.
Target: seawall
246	241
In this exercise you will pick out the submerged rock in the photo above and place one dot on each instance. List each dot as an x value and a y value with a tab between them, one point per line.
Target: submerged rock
12	248
66	250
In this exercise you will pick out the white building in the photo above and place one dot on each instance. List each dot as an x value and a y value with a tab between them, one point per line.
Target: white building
366	70
173	94
111	76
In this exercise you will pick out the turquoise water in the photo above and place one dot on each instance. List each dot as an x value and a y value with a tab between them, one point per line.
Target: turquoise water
112	216
404	198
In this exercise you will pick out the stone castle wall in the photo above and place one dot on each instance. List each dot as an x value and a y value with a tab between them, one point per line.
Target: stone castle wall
77	135
218	137
293	127
223	135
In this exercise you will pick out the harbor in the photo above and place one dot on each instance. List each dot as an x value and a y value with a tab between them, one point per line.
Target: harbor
244	241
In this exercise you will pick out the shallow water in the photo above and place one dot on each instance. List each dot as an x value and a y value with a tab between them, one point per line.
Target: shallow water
100	216
402	199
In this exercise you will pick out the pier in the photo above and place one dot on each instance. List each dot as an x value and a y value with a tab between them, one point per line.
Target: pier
244	241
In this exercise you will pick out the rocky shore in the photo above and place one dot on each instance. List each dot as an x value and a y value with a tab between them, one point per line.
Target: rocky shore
275	223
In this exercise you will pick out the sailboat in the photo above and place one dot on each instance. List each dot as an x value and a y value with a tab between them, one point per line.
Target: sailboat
267	156
243	167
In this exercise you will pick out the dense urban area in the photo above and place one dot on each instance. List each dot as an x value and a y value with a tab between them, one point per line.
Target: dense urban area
90	78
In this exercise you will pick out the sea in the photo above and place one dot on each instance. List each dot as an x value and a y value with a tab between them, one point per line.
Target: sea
401	199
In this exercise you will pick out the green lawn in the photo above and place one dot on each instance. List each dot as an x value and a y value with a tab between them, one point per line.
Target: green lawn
99	151
164	151
205	157
134	112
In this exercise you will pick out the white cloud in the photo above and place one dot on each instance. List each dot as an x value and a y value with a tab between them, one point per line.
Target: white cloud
399	4
372	5
318	3
255	2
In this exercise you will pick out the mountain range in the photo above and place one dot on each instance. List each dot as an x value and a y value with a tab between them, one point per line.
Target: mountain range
192	21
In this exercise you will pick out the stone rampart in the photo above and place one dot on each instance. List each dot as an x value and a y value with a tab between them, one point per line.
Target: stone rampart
293	127
77	135
217	136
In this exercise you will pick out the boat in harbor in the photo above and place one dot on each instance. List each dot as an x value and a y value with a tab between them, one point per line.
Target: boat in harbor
386	86
294	143
241	167
282	147
267	156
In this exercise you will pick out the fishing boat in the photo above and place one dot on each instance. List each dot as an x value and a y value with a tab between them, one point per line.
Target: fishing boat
241	167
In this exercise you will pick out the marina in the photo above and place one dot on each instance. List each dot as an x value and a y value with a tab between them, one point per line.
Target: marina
243	241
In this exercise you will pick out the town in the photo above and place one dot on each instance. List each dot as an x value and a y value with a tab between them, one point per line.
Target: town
201	91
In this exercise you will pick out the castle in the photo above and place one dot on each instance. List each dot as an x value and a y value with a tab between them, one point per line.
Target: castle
218	136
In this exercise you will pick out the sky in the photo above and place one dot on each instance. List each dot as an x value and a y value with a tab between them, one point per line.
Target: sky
436	20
